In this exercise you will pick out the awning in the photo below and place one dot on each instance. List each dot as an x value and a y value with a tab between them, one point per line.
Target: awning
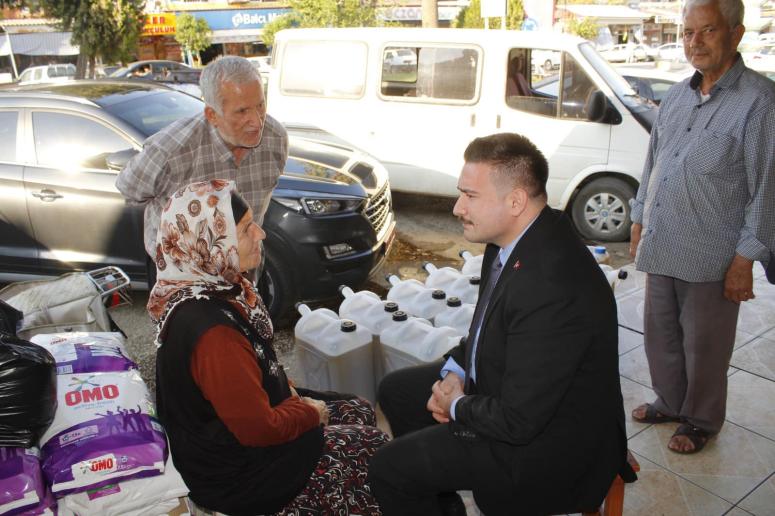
237	36
39	44
607	14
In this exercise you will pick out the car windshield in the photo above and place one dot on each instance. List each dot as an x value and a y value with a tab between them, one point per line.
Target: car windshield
151	111
119	73
616	82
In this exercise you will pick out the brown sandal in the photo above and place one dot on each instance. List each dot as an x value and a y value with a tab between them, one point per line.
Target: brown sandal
697	436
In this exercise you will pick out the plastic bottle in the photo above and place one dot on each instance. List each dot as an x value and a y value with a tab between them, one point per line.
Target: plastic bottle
334	354
453	282
415	298
614	276
600	253
472	265
409	341
366	309
457	315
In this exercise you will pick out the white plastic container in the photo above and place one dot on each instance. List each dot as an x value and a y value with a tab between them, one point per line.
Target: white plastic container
456	315
600	253
614	276
472	265
452	282
415	298
409	341
334	354
366	309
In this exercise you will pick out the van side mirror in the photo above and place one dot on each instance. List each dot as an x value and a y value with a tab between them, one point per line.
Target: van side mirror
599	109
118	160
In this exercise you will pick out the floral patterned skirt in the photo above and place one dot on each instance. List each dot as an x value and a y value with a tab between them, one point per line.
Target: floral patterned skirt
338	486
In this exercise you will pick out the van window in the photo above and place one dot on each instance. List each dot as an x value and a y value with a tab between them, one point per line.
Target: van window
8	136
545	88
430	73
324	68
38	74
73	139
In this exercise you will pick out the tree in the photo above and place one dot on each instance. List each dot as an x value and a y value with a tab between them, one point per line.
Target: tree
324	13
108	29
470	17
585	27
193	34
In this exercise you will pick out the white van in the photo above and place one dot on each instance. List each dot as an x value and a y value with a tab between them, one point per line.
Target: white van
47	73
418	115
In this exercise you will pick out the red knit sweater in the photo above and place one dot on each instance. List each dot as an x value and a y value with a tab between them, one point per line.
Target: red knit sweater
225	369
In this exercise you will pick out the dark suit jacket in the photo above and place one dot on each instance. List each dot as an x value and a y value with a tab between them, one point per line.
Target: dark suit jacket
547	397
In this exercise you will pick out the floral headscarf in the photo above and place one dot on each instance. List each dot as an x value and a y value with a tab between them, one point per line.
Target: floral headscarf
197	258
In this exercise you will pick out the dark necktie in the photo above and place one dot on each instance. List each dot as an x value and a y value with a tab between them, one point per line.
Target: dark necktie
481	308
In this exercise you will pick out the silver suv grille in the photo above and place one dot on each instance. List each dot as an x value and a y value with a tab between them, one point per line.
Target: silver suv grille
378	209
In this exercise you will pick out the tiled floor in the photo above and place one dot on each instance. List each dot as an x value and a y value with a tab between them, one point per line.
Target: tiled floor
735	474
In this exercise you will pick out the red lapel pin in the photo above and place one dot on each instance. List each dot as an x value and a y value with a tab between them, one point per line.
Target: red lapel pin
517	265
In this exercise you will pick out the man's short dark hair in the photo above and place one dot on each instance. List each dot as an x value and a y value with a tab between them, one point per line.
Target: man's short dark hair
516	160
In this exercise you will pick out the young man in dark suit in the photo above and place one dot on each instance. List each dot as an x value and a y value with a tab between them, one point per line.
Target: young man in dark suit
529	412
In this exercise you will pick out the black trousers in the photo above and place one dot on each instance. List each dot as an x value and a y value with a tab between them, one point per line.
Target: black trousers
427	459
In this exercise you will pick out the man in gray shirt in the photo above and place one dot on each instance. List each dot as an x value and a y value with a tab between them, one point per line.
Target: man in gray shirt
233	138
704	213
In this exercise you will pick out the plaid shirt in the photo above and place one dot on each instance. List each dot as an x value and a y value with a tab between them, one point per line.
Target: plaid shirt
191	150
708	187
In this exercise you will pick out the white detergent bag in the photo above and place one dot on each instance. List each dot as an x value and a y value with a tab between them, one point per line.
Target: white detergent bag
472	265
334	354
155	495
104	429
410	341
415	298
457	315
85	352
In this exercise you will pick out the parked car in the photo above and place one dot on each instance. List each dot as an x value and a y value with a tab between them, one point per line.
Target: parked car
671	52
399	59
653	83
330	221
47	73
158	70
625	53
763	60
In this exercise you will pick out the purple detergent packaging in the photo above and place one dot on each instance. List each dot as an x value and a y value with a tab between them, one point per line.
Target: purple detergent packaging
105	429
22	490
84	352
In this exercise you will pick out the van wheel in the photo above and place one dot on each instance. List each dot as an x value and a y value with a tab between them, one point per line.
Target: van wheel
601	210
275	288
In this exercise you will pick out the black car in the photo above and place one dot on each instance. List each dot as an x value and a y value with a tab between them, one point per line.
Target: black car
158	70
330	221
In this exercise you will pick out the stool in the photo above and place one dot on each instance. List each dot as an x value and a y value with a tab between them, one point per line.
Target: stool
613	505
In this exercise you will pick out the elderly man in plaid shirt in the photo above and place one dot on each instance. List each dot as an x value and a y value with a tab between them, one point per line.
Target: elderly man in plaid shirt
233	138
704	213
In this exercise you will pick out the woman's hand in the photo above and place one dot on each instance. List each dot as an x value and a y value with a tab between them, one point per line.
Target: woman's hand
320	406
294	394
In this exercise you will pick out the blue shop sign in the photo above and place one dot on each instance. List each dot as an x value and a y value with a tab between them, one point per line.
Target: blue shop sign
238	18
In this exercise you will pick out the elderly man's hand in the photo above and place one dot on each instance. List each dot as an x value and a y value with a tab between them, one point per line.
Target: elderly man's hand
442	394
738	282
635	231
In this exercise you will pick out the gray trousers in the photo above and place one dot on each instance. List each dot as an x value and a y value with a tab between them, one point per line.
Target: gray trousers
689	338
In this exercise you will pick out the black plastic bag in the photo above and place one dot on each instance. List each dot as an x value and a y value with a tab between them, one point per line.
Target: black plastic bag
27	391
9	318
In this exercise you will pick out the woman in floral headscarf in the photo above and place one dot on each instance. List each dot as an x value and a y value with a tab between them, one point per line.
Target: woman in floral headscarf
244	440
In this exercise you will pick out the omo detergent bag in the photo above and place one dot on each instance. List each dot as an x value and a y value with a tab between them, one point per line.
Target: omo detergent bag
83	352
105	429
22	490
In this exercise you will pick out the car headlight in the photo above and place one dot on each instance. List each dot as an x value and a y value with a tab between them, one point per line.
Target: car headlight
321	206
331	206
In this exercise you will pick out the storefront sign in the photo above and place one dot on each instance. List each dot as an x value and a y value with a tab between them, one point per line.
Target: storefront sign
159	24
445	13
238	18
